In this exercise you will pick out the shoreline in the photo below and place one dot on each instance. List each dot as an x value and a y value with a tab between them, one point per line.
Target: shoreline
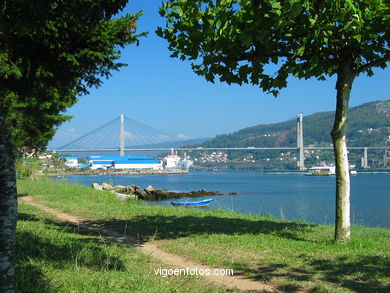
265	193
187	172
216	210
116	172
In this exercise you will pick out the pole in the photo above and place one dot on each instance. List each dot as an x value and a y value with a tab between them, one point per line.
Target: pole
122	136
365	158
301	156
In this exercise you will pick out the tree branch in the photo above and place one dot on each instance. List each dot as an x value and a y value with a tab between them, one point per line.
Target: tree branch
374	63
250	55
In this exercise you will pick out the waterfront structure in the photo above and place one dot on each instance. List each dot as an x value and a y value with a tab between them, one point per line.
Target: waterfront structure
174	161
322	170
138	164
97	164
146	138
123	162
71	162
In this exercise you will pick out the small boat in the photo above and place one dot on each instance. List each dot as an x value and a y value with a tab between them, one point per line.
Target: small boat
192	204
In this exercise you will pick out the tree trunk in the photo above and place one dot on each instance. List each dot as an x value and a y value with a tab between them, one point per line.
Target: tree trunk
345	79
8	209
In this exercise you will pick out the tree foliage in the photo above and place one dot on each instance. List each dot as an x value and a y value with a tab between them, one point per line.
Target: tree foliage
50	53
235	40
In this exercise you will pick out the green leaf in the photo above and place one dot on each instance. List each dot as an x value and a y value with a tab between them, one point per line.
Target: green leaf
276	5
300	51
357	38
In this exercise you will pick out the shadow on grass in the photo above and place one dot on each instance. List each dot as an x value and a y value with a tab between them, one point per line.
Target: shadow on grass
363	274
171	227
56	248
30	278
27	217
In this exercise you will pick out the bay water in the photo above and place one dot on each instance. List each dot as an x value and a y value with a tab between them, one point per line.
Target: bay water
284	196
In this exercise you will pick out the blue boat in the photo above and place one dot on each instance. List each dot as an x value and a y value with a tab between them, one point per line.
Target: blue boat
192	204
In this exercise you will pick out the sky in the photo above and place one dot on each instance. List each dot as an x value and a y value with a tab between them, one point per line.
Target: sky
164	93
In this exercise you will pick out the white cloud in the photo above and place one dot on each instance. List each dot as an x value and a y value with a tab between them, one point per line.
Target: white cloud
163	136
183	136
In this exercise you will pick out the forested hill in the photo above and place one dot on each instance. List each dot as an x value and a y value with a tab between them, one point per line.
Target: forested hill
368	125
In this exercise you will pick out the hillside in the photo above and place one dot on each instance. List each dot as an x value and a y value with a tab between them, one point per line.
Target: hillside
368	125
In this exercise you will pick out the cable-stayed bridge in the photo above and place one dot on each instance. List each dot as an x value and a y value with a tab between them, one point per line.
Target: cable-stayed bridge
124	134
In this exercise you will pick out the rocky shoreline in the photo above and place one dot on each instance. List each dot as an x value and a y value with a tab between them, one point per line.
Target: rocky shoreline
151	193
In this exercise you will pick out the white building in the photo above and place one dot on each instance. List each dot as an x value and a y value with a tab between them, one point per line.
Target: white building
123	162
101	164
138	164
71	162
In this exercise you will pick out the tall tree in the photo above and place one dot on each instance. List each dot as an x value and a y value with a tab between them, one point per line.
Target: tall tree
263	42
50	52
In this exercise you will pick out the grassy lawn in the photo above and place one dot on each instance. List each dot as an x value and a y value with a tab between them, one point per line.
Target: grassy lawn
57	257
289	255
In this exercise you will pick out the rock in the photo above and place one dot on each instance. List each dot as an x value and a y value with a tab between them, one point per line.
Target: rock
130	189
161	194
135	187
120	188
97	186
149	189
172	194
203	192
151	193
143	194
106	186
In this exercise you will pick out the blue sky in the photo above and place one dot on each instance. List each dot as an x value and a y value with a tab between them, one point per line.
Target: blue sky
165	94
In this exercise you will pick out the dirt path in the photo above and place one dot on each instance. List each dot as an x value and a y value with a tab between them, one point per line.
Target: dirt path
235	282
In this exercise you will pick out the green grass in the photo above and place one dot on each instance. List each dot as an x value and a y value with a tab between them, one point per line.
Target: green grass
289	255
56	257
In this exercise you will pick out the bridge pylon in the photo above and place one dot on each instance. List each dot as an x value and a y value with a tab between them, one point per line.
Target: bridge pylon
301	155
365	158
122	136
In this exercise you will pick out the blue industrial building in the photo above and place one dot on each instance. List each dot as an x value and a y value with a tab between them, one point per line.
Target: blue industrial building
123	162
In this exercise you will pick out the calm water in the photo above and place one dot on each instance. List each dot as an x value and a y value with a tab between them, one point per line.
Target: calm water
291	196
